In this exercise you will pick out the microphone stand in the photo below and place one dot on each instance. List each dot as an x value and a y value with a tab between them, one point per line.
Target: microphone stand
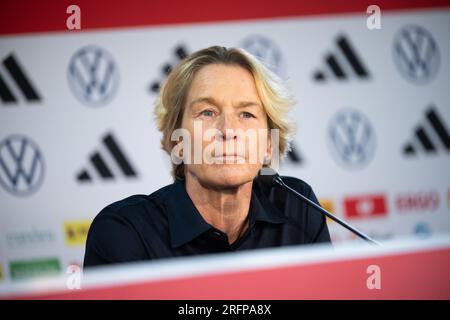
277	180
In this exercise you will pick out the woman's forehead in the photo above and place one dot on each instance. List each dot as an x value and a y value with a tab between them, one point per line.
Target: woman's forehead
221	84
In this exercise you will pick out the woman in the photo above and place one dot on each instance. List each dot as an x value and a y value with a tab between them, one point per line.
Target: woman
223	117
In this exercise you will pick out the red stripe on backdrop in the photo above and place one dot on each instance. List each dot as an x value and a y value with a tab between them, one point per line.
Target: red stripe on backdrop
28	16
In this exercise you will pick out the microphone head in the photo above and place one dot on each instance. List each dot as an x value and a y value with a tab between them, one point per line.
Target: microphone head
268	176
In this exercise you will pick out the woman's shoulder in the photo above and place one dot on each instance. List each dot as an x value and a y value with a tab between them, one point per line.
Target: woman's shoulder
136	205
298	184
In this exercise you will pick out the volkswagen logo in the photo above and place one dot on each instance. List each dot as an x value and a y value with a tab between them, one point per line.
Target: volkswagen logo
351	139
93	76
267	51
21	165
416	54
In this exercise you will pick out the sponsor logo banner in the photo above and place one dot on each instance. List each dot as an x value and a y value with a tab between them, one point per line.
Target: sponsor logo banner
76	232
366	206
417	201
25	269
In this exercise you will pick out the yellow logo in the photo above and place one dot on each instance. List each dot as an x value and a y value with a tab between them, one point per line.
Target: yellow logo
327	204
1	273
76	232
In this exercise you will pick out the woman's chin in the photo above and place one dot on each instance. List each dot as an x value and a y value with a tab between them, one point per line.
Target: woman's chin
230	175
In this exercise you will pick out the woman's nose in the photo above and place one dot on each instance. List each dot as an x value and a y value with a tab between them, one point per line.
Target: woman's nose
226	127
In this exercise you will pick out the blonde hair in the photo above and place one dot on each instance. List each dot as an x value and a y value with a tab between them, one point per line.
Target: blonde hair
169	107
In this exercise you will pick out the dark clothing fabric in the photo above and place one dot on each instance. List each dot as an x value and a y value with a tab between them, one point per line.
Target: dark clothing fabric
167	224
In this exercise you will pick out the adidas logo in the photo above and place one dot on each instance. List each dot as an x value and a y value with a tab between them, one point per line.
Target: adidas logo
430	136
180	53
107	163
342	64
13	73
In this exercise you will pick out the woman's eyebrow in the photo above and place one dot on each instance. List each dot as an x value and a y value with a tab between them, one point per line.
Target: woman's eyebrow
212	101
208	100
244	104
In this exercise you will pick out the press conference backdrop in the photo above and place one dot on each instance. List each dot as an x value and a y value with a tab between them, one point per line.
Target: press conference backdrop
77	130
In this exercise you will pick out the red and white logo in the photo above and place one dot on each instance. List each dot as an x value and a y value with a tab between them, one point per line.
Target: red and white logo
417	201
365	206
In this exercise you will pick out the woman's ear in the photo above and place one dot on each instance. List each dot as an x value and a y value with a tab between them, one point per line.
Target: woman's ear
176	153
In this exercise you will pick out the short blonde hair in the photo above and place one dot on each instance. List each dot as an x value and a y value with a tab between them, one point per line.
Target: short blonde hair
169	108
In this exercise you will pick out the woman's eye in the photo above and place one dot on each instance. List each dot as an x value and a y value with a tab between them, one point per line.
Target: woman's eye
207	113
247	115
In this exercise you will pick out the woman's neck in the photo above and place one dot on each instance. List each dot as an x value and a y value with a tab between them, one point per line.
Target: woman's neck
224	209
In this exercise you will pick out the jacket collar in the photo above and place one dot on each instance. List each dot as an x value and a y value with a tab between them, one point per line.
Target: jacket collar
186	223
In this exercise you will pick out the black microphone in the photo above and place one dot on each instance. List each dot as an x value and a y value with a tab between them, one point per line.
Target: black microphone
271	177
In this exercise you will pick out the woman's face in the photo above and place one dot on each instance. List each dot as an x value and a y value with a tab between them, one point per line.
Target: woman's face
224	105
